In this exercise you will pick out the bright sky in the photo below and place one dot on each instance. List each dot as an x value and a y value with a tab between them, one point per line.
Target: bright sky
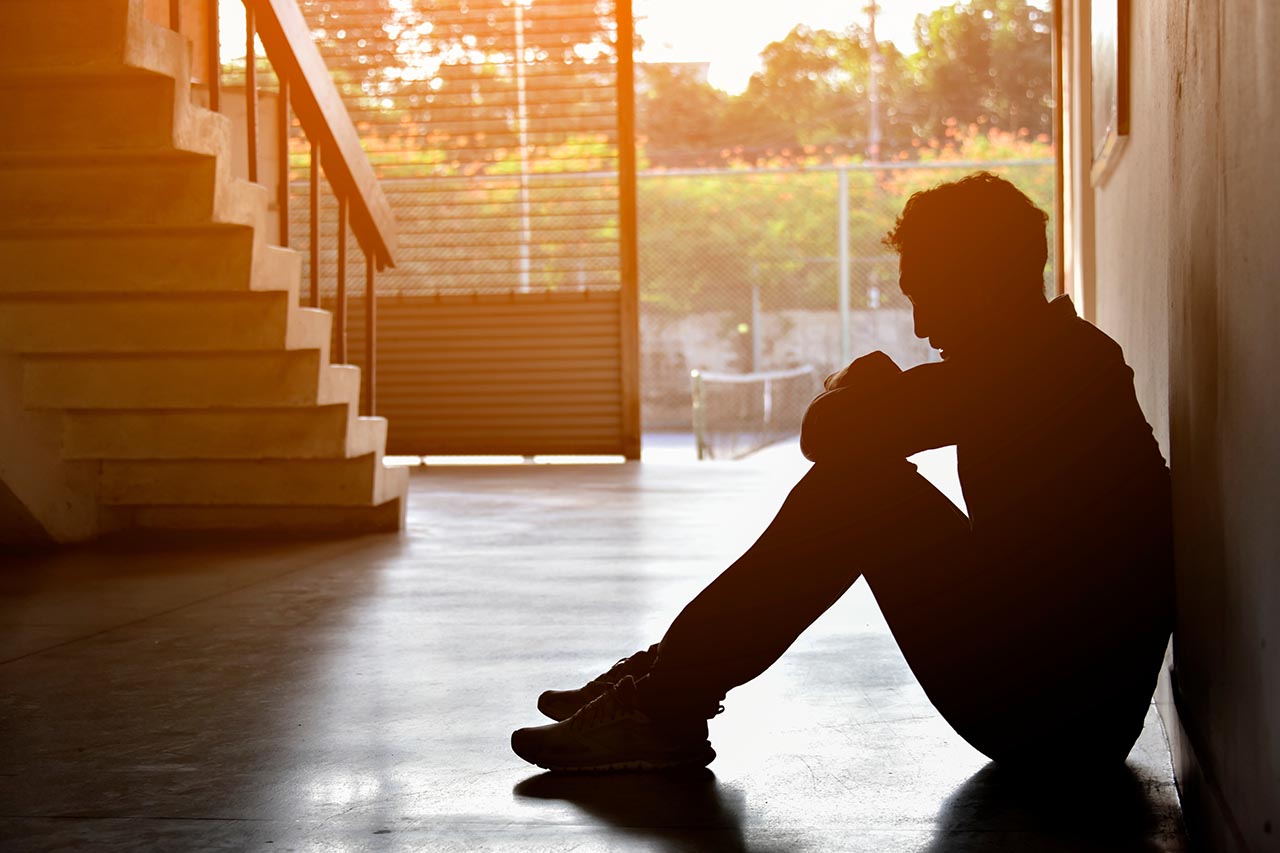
731	33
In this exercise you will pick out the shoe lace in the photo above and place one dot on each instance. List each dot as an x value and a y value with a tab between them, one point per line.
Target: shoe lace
626	666
618	700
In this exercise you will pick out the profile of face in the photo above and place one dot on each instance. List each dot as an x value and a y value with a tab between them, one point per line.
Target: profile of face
971	254
949	304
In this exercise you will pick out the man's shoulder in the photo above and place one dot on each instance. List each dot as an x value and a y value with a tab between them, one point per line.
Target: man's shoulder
1074	335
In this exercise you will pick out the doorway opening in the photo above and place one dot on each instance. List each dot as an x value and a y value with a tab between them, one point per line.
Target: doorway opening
774	155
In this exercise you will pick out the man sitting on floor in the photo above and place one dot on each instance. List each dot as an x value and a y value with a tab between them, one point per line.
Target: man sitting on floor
1047	609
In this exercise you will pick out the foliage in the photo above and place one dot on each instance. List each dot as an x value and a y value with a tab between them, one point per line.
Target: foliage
431	86
985	62
706	240
680	115
812	96
436	81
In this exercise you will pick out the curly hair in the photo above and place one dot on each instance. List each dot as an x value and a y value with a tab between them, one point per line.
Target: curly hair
980	222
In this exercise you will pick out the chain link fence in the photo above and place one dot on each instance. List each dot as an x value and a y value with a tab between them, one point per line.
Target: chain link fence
745	270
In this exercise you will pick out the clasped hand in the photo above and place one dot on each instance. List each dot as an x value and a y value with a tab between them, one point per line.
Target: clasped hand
869	372
830	418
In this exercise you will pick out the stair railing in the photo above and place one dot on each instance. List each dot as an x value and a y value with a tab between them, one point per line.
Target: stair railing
305	85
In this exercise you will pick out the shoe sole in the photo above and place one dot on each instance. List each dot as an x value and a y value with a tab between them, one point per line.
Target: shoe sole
704	758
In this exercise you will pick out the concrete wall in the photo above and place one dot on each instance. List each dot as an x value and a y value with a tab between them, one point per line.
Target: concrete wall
42	497
1186	256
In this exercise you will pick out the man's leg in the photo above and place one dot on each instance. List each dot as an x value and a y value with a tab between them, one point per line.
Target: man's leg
837	523
963	625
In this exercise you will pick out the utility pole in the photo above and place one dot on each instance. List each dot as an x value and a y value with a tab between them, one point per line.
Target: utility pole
522	129
876	63
842	247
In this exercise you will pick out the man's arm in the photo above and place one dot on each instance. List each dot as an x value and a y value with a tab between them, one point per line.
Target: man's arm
873	409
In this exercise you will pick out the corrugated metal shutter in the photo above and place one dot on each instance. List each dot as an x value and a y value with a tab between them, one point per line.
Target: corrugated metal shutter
509	322
518	373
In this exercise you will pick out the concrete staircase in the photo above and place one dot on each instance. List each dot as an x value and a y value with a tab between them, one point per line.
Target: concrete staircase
156	370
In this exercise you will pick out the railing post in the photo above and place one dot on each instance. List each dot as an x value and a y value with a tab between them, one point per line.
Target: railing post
842	246
314	178
175	15
251	90
362	208
213	44
699	414
340	301
628	243
368	387
282	159
757	320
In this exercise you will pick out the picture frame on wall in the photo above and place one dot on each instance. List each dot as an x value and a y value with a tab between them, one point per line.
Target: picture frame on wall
1109	37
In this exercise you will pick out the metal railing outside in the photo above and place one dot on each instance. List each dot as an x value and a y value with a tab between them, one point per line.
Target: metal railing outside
736	414
754	270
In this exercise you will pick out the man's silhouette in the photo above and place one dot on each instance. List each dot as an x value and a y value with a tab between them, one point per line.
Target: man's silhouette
1037	624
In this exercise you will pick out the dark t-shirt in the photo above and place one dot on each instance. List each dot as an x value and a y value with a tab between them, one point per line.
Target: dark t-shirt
1055	457
1068	569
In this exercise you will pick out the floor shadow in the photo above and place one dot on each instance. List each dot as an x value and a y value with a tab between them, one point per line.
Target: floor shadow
182	690
996	809
686	811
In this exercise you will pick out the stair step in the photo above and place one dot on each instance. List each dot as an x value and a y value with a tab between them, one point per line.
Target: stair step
354	481
276	269
309	328
134	260
143	300
385	516
71	35
88	39
210	259
224	202
324	432
92	114
224	322
123	190
188	381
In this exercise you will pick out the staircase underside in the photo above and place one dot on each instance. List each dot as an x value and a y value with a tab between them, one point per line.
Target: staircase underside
158	370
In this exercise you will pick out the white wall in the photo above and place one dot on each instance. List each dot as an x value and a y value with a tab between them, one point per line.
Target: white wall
1186	242
1131	228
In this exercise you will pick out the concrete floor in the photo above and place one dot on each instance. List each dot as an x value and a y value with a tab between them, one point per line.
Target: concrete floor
359	694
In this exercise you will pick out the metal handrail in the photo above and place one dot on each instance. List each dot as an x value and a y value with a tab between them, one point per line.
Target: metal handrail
320	108
305	85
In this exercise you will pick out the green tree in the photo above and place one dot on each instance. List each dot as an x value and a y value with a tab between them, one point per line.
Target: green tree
812	95
435	82
679	116
809	100
985	62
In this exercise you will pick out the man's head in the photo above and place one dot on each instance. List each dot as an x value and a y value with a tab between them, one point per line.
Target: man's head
971	259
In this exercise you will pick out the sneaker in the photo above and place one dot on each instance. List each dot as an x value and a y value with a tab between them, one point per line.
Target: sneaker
612	733
563	704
